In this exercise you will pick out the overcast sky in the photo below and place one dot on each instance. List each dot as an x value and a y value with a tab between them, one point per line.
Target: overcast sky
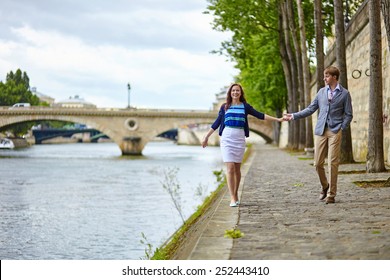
94	48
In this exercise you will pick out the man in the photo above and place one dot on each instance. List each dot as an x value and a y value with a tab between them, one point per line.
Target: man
335	114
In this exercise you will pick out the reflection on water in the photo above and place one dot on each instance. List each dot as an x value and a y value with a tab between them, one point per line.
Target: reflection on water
86	201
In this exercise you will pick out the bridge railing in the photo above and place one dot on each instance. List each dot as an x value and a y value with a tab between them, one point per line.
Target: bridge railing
45	108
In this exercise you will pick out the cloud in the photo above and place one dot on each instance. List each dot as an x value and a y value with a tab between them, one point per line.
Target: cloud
94	51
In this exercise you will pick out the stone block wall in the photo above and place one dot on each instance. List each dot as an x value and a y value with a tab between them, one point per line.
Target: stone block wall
358	67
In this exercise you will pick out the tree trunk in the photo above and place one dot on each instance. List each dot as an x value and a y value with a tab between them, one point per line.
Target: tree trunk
346	155
293	70
298	54
286	70
320	57
386	16
309	143
375	157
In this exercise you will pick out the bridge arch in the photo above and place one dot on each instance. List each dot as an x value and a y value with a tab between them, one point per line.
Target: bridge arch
132	129
65	118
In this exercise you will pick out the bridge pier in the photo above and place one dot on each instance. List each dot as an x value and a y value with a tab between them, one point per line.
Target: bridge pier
132	145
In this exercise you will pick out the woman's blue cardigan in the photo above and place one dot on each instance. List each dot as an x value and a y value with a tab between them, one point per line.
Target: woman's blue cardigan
249	110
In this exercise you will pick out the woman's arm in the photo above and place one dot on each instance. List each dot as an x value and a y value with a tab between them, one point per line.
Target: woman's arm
206	137
250	110
270	118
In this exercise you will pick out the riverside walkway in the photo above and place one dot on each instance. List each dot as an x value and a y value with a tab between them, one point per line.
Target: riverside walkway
282	217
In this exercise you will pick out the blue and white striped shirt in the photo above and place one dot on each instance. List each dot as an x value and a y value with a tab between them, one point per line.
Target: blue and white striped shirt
235	116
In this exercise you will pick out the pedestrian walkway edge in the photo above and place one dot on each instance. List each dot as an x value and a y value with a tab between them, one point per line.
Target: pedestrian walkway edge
211	244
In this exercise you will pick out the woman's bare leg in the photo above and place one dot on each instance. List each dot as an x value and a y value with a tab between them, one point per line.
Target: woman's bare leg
233	171
231	180
237	173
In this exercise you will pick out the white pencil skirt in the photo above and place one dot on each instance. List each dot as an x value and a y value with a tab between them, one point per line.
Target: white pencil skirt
232	144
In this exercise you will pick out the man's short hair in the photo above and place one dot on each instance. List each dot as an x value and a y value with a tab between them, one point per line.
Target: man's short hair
333	71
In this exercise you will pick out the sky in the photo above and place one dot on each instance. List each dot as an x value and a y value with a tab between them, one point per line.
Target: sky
95	48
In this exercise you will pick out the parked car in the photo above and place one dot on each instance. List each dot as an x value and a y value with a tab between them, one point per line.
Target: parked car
18	105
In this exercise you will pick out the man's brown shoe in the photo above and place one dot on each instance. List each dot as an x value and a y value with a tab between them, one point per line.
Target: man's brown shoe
324	193
330	200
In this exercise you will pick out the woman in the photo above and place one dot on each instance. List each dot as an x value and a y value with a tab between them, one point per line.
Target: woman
233	126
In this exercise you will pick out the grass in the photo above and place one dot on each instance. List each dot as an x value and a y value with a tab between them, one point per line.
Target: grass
168	250
233	233
358	172
305	158
352	172
371	184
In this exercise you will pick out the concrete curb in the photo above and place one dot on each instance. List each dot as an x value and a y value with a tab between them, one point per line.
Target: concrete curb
211	244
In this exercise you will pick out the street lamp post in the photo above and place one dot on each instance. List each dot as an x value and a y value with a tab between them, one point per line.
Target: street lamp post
128	92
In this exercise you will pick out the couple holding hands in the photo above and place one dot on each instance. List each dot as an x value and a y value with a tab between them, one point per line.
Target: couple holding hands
335	114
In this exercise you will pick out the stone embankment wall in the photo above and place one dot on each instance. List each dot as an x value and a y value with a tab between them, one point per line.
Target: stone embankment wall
21	142
194	135
358	67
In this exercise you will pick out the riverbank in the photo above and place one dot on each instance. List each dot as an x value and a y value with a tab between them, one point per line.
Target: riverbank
185	240
281	217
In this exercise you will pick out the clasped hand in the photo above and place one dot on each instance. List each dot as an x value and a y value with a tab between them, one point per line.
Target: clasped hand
287	117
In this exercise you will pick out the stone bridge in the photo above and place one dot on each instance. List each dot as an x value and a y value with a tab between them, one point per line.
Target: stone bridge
131	129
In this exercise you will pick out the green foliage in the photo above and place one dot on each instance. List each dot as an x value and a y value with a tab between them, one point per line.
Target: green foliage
254	48
18	129
148	247
149	253
233	233
254	45
262	76
16	89
220	177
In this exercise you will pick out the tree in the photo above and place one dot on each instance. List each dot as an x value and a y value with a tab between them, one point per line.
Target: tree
295	139
375	158
309	143
16	89
254	49
291	63
301	140
261	77
320	57
286	70
346	155
251	22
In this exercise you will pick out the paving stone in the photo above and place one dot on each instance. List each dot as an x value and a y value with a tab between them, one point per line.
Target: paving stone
282	218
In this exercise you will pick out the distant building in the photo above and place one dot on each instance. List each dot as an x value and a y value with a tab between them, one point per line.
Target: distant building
220	98
74	102
42	97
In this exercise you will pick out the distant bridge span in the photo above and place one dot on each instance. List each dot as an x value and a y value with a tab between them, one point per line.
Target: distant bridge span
131	129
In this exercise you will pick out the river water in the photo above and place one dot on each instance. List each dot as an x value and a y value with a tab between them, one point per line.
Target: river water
86	201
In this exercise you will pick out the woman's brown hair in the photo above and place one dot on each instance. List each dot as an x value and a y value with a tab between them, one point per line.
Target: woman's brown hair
229	98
